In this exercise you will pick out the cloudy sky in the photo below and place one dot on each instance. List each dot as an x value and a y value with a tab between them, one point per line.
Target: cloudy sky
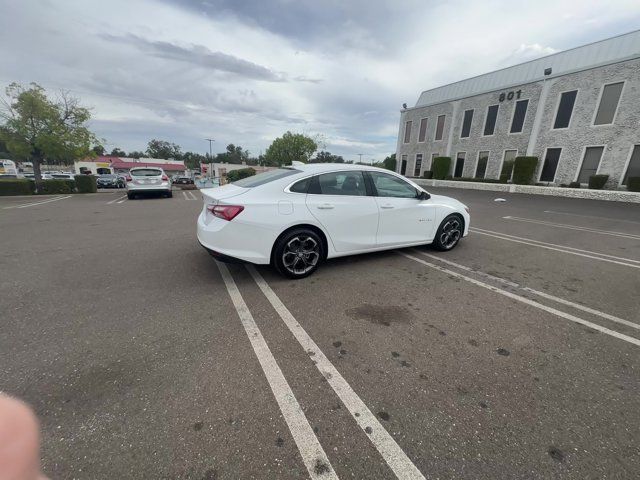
245	72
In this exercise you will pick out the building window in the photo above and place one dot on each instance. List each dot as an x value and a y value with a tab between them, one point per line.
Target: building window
590	163
440	127
608	103
457	172
466	124
423	130
407	131
481	168
519	114
418	166
403	165
507	163
550	164
633	169
490	122
565	109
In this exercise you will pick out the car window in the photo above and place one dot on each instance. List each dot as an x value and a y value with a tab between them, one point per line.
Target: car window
265	177
301	186
146	172
341	183
392	186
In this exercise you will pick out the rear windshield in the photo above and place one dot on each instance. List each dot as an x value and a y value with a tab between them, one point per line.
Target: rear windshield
265	177
146	172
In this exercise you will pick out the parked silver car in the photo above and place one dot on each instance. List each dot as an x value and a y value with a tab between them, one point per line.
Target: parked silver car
148	180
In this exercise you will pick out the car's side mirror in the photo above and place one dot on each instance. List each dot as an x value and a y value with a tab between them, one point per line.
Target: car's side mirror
423	196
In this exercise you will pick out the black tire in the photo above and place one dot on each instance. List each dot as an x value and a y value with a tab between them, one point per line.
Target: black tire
131	195
298	253
449	233
169	194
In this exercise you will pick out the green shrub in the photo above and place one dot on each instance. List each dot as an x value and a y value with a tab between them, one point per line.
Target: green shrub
56	186
235	175
440	167
633	184
16	186
427	174
523	170
574	185
86	184
476	179
597	182
504	177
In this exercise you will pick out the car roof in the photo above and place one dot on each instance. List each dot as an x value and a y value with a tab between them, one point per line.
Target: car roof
332	167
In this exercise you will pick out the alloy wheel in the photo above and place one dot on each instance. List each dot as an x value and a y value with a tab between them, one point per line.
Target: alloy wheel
301	254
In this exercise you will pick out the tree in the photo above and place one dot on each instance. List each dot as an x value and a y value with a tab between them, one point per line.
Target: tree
136	154
234	154
235	175
98	150
193	160
37	128
163	149
116	152
326	157
390	162
289	148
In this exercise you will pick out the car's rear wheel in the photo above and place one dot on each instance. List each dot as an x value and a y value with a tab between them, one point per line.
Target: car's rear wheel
449	233
169	194
131	195
298	253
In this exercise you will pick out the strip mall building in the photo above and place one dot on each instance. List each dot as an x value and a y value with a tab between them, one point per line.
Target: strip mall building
578	111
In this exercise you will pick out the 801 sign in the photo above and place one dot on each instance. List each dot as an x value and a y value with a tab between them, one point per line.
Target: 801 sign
509	96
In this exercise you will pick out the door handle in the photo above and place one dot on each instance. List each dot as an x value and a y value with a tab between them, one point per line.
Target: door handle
386	206
325	206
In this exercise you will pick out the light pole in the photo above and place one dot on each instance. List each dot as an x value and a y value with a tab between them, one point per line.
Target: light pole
210	140
360	155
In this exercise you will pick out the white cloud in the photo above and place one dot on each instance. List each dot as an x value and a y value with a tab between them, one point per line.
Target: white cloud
244	72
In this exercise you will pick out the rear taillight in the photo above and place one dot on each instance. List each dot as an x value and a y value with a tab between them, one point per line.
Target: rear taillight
226	212
128	178
164	178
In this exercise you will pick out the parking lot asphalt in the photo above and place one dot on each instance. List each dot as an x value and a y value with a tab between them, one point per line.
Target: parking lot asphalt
516	355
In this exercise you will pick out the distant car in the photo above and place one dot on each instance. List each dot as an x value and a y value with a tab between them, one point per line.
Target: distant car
110	181
63	176
148	180
296	217
183	180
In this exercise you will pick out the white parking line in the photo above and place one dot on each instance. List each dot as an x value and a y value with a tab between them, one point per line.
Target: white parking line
574	227
188	195
116	200
193	195
569	303
527	301
395	457
185	195
25	205
587	216
627	262
313	456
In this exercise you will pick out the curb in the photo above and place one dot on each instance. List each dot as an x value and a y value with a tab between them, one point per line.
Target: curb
608	195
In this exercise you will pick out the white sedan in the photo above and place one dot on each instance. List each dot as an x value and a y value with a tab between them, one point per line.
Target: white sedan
295	217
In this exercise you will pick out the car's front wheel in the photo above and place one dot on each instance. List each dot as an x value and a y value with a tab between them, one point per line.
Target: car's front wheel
298	253
449	233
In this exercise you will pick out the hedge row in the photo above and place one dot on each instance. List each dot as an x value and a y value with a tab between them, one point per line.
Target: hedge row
13	186
440	167
633	184
235	175
479	180
523	170
24	186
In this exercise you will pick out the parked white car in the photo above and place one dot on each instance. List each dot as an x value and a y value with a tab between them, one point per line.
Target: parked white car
296	217
148	180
